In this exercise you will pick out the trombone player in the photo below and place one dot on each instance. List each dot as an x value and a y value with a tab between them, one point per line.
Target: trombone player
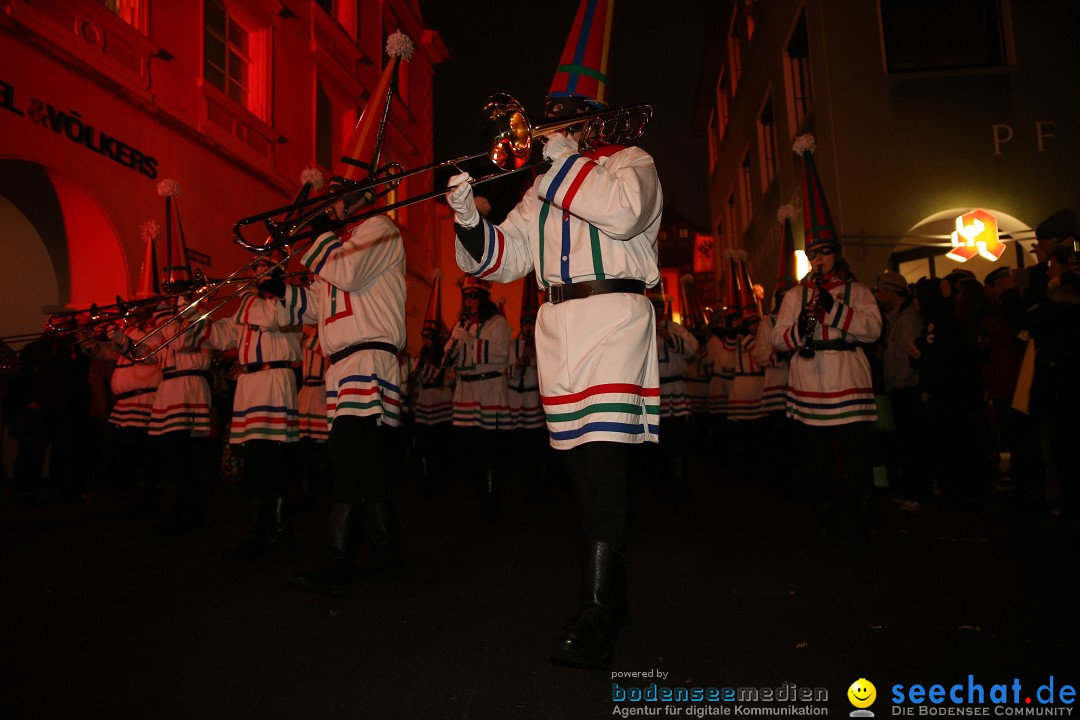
358	302
588	228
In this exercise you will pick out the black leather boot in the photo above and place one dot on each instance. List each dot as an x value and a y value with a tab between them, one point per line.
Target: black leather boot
252	546
280	533
590	641
334	575
384	542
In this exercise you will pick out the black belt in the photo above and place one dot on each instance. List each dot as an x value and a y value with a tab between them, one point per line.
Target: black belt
204	374
258	367
524	389
575	291
673	378
342	354
482	376
760	373
313	382
833	345
133	393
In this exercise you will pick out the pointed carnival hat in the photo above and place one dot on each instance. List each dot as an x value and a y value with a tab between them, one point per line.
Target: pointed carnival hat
694	317
787	275
177	270
732	293
580	82
360	155
530	300
749	302
149	282
817	222
434	326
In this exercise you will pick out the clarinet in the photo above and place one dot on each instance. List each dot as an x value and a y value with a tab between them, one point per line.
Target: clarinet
811	311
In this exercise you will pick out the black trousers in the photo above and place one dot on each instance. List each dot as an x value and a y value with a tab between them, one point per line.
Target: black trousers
598	472
268	465
836	451
362	452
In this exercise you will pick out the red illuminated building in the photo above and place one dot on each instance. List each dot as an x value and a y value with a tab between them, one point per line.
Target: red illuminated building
100	101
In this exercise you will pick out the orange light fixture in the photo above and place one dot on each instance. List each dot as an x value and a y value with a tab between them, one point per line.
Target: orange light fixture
976	234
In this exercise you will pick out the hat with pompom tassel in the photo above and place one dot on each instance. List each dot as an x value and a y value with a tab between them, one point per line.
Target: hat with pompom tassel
749	302
177	271
361	154
732	292
434	326
580	83
787	274
817	222
149	282
694	317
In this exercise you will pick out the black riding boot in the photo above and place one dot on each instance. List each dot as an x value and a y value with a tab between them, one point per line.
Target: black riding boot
590	641
826	512
252	546
280	533
335	575
384	542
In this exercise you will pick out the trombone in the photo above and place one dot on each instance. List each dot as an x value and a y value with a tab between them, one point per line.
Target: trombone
509	137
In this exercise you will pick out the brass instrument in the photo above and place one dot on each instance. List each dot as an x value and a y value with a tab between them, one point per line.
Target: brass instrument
812	309
509	137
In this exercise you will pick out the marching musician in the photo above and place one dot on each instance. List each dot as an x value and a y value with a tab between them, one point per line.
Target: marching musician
314	430
358	302
479	349
588	228
829	385
776	467
434	392
265	420
180	422
526	409
675	345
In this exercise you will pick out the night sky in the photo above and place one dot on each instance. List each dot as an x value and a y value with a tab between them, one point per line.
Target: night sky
655	59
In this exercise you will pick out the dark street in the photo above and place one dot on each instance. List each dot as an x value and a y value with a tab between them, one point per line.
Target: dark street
732	589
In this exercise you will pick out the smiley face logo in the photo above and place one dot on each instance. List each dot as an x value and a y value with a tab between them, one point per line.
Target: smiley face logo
862	693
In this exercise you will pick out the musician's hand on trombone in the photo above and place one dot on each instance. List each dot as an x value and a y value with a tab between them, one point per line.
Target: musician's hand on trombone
459	196
558	145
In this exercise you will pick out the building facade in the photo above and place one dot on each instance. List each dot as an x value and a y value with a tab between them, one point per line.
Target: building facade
99	101
921	110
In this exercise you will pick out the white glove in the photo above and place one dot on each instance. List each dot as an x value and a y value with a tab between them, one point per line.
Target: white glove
459	196
559	146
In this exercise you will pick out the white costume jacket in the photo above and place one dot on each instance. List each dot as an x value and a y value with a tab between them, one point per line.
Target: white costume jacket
311	397
133	384
526	410
672	356
748	382
480	395
775	363
833	387
588	218
264	406
358	296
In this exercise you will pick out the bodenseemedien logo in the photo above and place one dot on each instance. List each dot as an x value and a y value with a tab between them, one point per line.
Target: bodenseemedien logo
862	694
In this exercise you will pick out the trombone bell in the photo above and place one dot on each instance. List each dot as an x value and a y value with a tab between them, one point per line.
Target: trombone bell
507	132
